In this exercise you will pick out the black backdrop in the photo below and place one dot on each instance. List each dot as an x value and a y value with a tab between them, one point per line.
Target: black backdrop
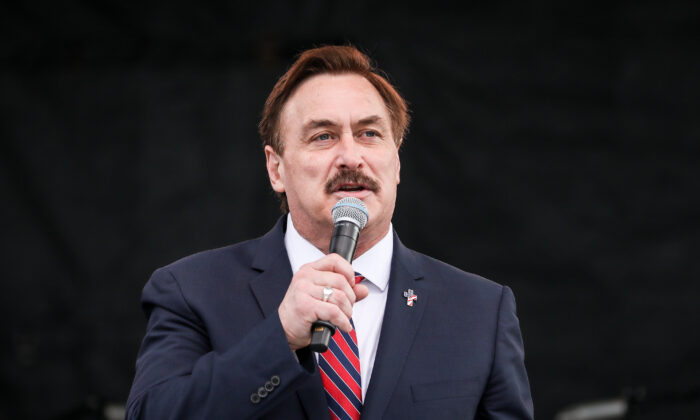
554	149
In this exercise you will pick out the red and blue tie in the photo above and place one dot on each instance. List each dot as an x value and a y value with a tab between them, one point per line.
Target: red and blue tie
340	373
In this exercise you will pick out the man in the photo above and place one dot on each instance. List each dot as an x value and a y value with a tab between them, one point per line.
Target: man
229	329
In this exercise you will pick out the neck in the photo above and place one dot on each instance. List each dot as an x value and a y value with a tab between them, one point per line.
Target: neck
321	237
369	237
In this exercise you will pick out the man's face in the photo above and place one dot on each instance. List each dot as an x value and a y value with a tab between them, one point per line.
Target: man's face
338	143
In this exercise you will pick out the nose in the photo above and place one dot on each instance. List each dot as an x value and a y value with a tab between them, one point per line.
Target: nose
349	153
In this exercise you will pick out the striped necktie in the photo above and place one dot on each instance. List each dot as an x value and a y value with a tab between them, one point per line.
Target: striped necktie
340	373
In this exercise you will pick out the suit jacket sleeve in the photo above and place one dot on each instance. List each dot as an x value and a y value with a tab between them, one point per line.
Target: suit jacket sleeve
507	395
179	376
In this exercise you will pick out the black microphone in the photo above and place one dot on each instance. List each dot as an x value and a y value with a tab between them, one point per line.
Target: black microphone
349	216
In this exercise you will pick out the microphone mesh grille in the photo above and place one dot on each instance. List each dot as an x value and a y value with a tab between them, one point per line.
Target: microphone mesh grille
351	208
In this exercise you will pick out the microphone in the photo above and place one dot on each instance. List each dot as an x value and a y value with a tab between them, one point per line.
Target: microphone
349	216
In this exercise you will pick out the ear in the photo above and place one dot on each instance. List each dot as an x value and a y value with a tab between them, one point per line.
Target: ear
275	169
398	163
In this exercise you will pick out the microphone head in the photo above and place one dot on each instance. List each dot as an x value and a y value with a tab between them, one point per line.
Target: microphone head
351	209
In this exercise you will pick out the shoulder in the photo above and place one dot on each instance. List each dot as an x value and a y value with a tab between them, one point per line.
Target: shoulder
208	279
211	263
199	276
213	259
246	255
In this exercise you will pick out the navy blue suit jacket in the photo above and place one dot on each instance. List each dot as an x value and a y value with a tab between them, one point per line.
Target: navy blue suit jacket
214	338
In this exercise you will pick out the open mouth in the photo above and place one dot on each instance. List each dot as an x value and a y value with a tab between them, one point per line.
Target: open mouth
351	187
351	181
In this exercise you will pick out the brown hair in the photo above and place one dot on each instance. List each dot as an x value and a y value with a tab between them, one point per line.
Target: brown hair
333	59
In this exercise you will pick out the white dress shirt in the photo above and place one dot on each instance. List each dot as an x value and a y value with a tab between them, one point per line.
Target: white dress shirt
367	314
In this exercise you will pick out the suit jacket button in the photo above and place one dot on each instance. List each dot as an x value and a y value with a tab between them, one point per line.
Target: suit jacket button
254	398
262	392
275	380
268	386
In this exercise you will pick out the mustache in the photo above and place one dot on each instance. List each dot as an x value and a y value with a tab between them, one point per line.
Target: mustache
351	176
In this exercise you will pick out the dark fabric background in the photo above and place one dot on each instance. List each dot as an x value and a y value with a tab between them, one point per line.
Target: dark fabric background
554	149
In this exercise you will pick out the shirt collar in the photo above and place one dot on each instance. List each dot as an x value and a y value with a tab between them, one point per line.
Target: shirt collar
374	264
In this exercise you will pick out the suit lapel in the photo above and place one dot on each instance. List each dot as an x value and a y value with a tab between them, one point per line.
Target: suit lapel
399	329
271	261
269	287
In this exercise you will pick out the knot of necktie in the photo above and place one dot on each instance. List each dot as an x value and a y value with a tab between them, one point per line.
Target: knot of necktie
358	277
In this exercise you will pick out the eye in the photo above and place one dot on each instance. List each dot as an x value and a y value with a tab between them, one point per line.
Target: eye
324	136
370	133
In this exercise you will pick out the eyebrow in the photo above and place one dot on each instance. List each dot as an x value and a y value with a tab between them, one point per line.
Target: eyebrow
372	119
314	124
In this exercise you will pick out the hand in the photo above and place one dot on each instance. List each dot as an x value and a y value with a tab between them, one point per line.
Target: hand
303	303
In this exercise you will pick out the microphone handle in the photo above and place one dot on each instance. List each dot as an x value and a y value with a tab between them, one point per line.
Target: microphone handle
343	243
344	240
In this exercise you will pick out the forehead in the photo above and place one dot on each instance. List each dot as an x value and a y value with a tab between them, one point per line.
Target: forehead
341	98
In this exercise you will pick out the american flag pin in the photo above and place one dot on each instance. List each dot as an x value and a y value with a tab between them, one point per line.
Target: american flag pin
410	297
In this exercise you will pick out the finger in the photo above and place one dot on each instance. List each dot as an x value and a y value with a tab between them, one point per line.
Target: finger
331	313
335	281
361	291
341	301
307	280
336	264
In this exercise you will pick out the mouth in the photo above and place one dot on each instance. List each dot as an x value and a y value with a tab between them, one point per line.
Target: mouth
351	182
351	187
